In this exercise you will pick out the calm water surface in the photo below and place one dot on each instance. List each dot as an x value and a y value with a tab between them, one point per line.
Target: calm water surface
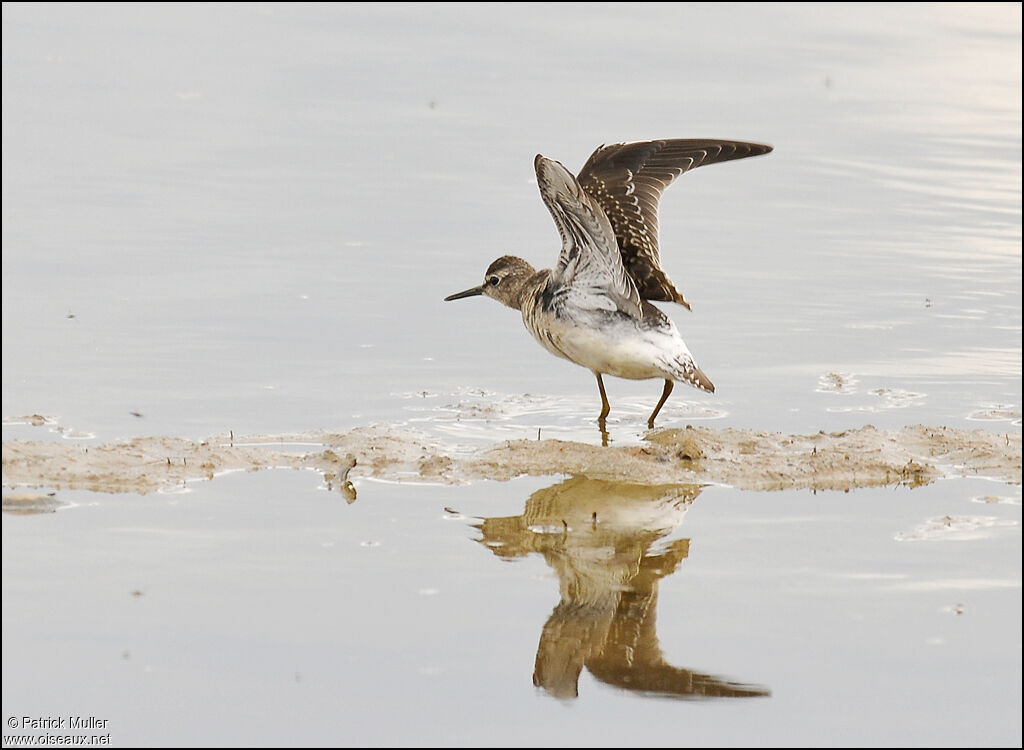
263	609
245	218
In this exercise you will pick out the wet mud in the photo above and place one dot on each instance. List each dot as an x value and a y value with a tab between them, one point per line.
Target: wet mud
744	459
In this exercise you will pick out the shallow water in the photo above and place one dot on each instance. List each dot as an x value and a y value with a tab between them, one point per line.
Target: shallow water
260	608
243	219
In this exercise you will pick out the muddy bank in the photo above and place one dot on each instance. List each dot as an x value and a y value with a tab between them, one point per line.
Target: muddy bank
744	459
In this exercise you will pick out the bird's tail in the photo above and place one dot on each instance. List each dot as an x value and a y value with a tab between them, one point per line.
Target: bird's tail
685	370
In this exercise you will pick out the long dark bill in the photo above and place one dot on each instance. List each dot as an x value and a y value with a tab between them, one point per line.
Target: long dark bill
477	290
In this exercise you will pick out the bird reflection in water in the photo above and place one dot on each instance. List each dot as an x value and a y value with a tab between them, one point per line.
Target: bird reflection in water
598	537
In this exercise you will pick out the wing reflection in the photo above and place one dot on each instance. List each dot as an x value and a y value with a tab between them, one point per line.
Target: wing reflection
597	536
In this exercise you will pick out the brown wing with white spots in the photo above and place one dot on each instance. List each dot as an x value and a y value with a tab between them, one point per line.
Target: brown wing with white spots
627	180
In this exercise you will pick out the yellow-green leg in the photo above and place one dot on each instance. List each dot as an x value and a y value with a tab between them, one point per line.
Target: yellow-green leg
664	398
605	407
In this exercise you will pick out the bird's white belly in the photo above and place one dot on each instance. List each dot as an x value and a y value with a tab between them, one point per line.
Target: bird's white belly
620	350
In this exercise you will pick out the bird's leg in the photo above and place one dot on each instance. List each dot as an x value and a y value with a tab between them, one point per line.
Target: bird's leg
605	408
661	403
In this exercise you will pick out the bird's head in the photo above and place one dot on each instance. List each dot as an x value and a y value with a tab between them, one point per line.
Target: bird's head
505	280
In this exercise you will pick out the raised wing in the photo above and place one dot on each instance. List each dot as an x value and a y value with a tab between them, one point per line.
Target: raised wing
589	269
627	180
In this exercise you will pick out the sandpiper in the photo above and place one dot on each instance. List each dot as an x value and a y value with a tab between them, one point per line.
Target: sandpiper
594	308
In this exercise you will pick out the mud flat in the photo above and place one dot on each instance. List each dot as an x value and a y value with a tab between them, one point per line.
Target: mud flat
745	459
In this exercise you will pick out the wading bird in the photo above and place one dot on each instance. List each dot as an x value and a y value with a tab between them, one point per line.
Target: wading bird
594	307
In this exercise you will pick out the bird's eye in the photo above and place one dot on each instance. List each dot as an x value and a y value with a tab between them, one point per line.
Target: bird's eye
493	280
